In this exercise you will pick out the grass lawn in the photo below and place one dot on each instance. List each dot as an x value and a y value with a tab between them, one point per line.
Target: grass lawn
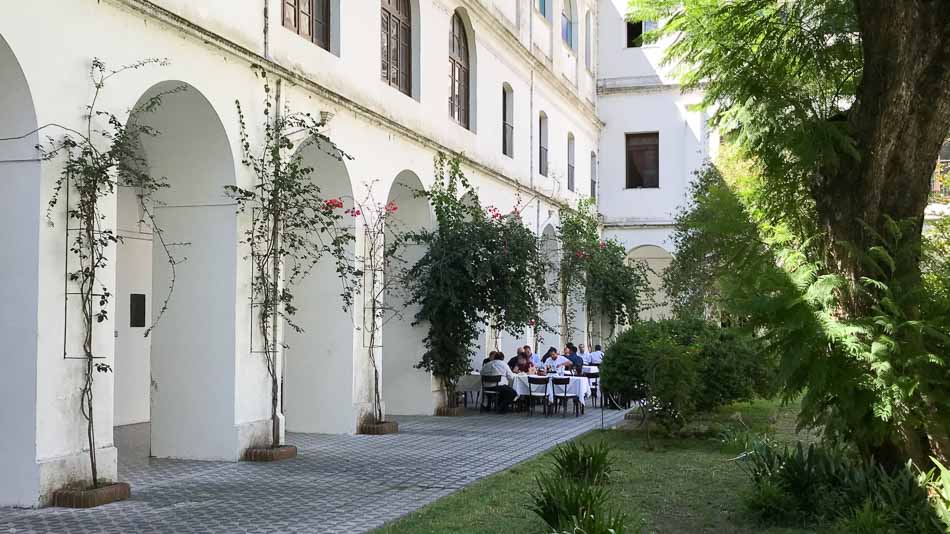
678	485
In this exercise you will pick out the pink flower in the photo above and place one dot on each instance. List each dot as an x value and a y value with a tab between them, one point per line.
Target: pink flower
603	245
391	207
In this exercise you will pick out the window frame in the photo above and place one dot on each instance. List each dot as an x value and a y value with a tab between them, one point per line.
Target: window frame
293	10
571	184
631	180
637	40
507	121
543	166
460	73
396	77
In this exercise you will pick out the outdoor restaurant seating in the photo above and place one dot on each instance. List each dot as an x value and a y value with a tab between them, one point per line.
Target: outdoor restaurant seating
594	378
537	392
489	395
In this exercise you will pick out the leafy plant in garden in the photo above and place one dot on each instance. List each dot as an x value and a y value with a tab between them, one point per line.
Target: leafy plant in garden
480	266
97	159
292	226
585	463
821	98
596	272
382	266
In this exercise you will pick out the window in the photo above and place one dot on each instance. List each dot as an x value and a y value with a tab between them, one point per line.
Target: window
542	6
570	162
567	23
588	42
543	145
634	34
643	160
593	176
309	19
396	44
458	72
507	121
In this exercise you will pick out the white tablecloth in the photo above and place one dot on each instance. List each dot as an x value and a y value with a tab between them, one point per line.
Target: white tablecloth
579	386
591	369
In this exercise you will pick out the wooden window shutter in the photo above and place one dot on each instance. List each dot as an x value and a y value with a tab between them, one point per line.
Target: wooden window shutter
290	14
305	19
321	23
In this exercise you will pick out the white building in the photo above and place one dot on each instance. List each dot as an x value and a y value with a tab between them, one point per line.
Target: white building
536	112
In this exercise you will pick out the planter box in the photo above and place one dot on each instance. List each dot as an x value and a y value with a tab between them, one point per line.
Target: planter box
378	429
445	411
89	498
270	454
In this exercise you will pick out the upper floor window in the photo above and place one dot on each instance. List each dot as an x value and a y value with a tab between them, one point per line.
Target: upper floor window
310	19
570	162
396	44
568	11
643	160
507	121
588	42
542	6
458	72
635	31
543	144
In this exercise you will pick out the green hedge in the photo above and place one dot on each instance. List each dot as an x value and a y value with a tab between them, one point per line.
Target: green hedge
686	366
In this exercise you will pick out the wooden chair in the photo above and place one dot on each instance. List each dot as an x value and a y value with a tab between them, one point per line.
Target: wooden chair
561	387
594	379
537	389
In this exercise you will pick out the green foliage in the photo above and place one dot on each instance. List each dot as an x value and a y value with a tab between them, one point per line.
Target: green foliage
479	265
778	76
596	271
685	366
566	504
97	161
585	463
292	225
826	485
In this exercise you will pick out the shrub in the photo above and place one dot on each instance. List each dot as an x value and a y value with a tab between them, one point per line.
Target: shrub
829	484
685	365
562	500
589	464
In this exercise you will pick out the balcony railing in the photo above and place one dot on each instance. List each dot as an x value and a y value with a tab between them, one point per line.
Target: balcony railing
543	161
508	140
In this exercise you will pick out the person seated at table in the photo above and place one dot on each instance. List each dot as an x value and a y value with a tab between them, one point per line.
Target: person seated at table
506	393
520	364
532	357
582	352
552	360
570	353
597	356
513	362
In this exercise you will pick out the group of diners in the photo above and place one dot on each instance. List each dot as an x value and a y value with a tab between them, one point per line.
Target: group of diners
570	362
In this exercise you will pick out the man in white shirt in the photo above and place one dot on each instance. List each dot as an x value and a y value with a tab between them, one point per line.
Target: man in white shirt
558	361
596	357
497	367
582	352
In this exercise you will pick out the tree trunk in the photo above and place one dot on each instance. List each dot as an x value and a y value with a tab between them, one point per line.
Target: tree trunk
899	120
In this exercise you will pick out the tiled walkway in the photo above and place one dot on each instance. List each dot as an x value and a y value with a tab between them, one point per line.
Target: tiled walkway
336	484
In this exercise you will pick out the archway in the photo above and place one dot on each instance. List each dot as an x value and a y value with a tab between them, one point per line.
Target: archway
319	363
20	181
551	313
657	259
181	379
406	390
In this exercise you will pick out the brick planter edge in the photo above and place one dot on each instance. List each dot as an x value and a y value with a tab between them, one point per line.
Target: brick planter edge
92	497
270	454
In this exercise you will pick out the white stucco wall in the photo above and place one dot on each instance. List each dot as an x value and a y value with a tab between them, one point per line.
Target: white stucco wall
207	393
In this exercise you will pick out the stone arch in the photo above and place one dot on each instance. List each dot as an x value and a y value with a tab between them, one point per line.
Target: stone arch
20	198
165	379
657	259
406	390
319	370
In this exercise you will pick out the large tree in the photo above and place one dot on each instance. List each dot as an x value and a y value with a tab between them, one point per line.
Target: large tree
842	105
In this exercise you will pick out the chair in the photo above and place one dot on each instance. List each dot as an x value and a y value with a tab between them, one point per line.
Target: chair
594	379
537	389
489	392
561	387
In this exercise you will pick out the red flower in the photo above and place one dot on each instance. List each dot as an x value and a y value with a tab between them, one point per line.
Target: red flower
333	203
603	245
391	207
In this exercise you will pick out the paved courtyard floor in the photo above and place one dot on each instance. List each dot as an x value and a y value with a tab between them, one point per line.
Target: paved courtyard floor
336	484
